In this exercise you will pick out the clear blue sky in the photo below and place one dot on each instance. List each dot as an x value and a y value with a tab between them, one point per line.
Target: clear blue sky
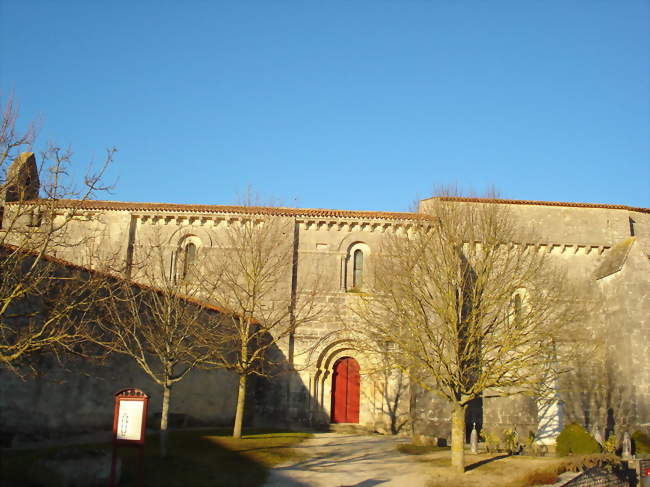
342	104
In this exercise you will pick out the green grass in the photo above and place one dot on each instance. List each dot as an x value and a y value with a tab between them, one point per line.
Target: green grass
196	458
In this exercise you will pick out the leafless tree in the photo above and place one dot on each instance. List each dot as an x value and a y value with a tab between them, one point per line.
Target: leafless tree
41	299
468	300
251	272
161	324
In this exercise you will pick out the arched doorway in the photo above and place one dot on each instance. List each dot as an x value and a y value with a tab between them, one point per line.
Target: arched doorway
345	391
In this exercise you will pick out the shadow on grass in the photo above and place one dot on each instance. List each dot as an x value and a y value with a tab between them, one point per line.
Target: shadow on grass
367	483
195	458
484	462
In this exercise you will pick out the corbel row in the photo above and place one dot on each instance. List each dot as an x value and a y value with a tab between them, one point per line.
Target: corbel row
210	221
564	248
379	226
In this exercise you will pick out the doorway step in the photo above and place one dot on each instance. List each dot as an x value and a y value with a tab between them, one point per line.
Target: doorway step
350	429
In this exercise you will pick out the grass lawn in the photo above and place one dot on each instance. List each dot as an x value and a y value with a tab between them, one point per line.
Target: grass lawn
485	470
196	458
496	471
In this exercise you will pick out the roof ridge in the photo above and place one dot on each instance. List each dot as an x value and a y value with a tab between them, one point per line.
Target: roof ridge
277	210
318	212
541	203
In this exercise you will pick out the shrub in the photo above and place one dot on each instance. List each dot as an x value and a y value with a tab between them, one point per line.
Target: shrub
491	439
581	463
531	447
574	440
610	445
641	442
511	441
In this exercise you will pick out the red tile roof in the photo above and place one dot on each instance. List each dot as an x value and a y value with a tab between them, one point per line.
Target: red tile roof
248	210
309	212
542	203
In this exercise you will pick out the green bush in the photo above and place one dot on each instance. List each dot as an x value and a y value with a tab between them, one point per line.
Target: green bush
574	440
491	440
641	442
611	444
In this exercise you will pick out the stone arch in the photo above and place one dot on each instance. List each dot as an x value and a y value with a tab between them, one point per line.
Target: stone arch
176	238
178	242
321	386
349	240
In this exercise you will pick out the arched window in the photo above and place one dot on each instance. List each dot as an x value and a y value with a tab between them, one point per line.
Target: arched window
356	269
189	259
357	276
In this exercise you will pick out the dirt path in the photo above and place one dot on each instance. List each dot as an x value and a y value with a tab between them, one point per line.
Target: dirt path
339	460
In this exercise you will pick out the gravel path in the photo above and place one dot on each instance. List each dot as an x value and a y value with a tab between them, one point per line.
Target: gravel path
339	460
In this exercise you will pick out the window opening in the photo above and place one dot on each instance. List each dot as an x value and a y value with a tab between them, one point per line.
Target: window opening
189	258
357	277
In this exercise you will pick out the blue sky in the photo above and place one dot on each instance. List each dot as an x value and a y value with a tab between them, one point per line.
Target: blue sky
352	105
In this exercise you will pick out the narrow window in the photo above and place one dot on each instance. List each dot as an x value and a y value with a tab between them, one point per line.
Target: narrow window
189	258
357	277
517	310
632	222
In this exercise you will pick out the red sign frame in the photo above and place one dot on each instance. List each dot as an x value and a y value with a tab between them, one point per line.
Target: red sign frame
130	395
125	396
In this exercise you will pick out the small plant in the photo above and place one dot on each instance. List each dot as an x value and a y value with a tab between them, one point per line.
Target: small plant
491	440
641	442
609	446
511	441
574	440
531	447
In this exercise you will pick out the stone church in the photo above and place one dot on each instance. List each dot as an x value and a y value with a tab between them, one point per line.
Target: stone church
605	247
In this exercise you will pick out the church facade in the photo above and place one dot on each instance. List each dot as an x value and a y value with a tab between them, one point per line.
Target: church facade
605	247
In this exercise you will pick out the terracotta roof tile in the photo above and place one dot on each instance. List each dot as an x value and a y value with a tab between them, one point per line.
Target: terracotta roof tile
248	210
310	212
543	203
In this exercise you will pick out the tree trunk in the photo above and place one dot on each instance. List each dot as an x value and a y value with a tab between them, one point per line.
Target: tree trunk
164	415
241	399
458	438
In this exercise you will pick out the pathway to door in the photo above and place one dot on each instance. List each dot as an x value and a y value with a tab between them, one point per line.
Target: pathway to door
340	460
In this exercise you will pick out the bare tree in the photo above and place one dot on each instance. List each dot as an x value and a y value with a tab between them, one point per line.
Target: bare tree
41	299
161	324
251	273
471	303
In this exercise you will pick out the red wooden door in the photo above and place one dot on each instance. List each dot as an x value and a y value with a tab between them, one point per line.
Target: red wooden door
345	391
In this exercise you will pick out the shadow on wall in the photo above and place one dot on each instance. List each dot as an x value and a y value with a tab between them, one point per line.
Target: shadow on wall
76	397
594	397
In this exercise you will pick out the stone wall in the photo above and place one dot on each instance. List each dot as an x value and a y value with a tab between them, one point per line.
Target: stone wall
77	397
579	238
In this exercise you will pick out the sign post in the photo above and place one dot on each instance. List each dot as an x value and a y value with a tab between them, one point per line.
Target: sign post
129	426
